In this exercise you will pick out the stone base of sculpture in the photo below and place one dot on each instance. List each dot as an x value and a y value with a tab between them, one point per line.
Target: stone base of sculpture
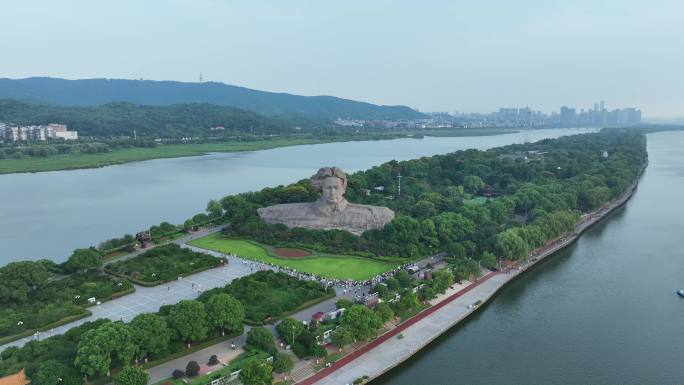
354	218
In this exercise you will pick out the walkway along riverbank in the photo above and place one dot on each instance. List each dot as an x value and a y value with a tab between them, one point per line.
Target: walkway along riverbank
386	352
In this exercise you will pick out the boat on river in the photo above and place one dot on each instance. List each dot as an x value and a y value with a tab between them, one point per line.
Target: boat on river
680	293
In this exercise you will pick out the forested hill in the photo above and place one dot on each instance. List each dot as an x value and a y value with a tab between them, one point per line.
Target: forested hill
173	121
91	92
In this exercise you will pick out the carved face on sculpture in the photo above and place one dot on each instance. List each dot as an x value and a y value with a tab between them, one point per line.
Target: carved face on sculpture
333	190
332	182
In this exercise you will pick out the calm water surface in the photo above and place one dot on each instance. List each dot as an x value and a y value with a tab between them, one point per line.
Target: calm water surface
603	311
47	215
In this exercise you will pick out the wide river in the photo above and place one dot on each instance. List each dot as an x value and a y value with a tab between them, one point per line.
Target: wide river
48	215
604	311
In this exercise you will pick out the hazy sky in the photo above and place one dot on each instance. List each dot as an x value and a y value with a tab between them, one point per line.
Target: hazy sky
436	56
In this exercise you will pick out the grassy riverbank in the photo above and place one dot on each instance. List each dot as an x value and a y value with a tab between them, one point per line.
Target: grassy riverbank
135	154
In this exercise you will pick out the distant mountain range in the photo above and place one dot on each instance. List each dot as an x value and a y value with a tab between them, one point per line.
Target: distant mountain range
93	92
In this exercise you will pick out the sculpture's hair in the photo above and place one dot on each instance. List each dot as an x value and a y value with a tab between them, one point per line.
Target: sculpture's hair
326	172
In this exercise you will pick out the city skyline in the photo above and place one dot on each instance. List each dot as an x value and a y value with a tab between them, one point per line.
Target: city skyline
433	56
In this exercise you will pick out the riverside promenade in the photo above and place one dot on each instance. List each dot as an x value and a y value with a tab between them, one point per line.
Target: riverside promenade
388	351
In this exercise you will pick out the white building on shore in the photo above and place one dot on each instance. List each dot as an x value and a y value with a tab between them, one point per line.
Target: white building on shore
36	133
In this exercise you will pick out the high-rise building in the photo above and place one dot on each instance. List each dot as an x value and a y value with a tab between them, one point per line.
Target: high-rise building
568	116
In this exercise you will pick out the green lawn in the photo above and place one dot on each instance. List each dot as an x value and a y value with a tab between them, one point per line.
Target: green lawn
331	266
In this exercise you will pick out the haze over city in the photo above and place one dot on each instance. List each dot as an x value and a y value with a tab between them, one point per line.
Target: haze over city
433	56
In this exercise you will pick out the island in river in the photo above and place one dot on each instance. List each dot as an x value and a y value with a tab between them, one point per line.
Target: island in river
540	183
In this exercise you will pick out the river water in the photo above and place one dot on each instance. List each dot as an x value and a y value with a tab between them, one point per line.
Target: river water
47	215
603	311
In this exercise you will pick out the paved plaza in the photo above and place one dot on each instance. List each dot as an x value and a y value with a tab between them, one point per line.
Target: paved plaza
150	299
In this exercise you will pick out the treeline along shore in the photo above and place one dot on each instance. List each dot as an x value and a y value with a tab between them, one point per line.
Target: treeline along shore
116	133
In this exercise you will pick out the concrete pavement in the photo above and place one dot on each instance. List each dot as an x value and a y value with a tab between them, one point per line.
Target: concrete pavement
150	299
222	350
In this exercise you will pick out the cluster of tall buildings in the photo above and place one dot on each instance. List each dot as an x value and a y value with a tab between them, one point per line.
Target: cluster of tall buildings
598	116
12	133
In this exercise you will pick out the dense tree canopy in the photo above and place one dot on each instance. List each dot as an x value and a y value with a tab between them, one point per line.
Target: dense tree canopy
503	201
362	322
289	329
262	339
83	259
98	347
189	319
150	333
256	373
225	312
131	375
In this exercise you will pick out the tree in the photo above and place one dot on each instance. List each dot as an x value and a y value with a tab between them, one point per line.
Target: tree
361	321
473	184
84	259
289	328
384	311
99	346
189	319
380	289
256	373
342	337
343	303
167	228
192	369
262	339
51	371
488	259
455	250
392	283
150	333
214	209
18	279
282	363
132	375
424	209
318	351
225	312
404	278
155	232
188	224
511	245
441	280
200	219
409	300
